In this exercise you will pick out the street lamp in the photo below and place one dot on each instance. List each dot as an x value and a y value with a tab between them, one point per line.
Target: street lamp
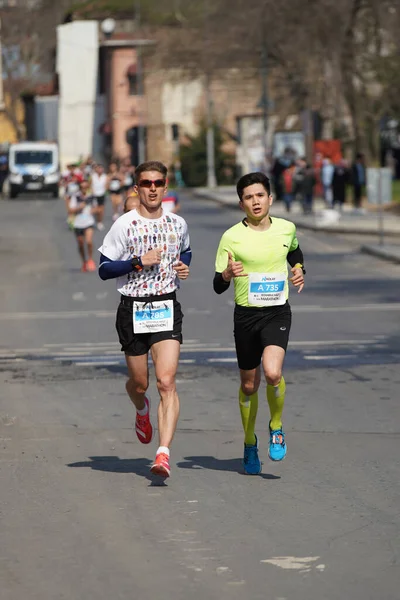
264	102
139	75
107	27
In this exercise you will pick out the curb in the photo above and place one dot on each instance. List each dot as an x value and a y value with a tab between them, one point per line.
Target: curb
304	225
381	252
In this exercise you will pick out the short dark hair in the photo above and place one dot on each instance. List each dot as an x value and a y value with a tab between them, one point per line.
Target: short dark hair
250	179
151	165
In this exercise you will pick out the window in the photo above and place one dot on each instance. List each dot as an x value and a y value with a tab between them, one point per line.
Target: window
133	84
33	157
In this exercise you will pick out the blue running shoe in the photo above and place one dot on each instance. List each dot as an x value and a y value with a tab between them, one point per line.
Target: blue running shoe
251	462
277	446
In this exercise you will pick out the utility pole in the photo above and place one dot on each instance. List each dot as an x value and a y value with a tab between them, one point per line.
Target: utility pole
264	100
140	90
1	72
211	177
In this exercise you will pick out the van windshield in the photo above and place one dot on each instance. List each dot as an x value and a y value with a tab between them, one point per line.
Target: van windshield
33	157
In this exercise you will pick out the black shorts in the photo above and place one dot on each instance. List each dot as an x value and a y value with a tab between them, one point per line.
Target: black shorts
79	232
137	344
100	200
256	328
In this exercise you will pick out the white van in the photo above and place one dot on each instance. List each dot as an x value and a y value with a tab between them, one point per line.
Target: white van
34	167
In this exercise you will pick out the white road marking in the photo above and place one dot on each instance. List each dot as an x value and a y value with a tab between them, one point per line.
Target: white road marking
354	308
98	344
221	570
291	562
221	360
328	357
332	342
29	316
98	364
79	296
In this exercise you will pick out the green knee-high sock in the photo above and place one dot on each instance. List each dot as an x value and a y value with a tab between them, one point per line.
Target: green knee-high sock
276	400
248	411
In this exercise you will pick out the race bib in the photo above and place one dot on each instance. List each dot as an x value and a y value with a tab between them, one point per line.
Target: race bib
73	188
152	317
267	289
114	185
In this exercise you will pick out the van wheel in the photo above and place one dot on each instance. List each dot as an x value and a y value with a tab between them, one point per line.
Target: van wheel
54	193
13	191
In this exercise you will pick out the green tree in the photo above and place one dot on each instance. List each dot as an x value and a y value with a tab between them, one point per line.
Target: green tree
194	159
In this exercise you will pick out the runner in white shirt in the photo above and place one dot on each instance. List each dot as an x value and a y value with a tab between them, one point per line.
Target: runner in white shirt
83	206
99	189
148	251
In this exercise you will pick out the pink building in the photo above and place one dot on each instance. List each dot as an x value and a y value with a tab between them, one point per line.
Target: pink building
125	106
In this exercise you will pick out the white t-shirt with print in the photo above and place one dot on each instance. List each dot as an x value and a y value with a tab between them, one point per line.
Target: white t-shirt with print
133	235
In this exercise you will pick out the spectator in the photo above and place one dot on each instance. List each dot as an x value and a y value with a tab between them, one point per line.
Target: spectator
327	171
341	178
359	179
288	187
308	184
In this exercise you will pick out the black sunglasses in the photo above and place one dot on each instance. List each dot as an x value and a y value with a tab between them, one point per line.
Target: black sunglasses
147	183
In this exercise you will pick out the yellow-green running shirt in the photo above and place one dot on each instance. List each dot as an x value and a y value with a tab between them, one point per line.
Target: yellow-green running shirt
258	251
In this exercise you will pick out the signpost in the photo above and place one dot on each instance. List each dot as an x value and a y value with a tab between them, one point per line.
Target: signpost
379	192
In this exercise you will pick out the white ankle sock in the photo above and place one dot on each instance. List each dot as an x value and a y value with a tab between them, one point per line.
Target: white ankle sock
144	410
163	449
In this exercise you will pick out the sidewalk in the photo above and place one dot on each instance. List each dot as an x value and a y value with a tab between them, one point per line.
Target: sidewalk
329	221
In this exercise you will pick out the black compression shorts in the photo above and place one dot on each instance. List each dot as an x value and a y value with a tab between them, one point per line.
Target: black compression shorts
256	328
137	344
80	231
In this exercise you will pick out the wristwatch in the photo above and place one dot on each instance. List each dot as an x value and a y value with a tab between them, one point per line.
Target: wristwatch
300	266
137	263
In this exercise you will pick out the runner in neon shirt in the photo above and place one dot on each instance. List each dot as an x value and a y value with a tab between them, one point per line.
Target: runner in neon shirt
254	253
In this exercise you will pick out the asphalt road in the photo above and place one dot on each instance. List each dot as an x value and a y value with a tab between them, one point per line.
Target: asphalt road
80	517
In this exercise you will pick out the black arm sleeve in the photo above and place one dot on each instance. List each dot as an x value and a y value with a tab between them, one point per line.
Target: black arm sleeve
295	256
219	284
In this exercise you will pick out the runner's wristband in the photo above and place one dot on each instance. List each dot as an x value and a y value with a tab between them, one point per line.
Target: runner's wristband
300	266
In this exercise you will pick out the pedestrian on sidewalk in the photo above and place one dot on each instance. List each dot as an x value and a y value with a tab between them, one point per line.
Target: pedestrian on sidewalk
327	171
148	251
341	178
359	180
288	187
83	208
309	182
254	254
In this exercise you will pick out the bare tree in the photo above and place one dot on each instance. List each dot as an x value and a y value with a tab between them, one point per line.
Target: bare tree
28	49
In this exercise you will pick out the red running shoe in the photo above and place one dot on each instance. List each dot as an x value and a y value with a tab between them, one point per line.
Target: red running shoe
161	465
143	426
91	265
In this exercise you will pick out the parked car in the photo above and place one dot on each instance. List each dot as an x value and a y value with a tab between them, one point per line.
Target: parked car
33	167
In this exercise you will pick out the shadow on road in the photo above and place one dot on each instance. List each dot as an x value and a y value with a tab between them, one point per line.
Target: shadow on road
114	464
210	462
